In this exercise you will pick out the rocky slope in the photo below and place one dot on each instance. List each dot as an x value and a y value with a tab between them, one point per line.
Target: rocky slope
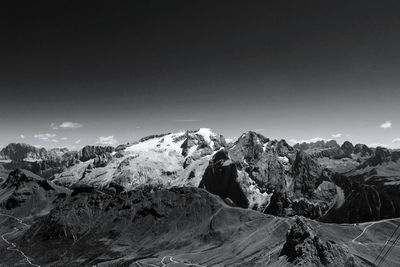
181	227
370	190
27	195
304	248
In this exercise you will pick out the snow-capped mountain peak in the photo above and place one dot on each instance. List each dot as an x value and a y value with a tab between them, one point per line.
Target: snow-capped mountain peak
167	159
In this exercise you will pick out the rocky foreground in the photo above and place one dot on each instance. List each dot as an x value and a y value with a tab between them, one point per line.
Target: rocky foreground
183	226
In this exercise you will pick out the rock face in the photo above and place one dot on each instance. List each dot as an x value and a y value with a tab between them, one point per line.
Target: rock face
304	248
347	148
254	166
307	174
310	193
220	178
20	152
91	152
264	161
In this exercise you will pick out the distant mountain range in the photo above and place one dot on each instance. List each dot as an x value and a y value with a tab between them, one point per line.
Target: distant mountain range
193	191
253	172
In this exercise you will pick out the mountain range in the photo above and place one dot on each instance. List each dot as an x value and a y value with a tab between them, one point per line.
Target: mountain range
192	198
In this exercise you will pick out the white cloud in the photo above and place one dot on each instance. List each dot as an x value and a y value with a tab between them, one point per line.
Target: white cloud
386	125
259	130
64	138
312	140
106	140
70	125
377	144
77	141
65	125
396	140
337	135
45	136
22	136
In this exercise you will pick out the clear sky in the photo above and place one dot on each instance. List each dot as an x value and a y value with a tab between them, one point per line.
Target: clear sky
114	71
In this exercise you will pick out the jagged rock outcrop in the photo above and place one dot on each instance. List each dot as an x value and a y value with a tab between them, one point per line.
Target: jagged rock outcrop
249	148
362	150
318	145
16	178
348	148
304	248
332	150
91	152
264	161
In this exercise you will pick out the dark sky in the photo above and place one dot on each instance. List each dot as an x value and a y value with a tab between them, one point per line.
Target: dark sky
290	69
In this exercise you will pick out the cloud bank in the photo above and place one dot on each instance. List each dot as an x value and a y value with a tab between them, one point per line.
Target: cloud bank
106	140
312	140
48	137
